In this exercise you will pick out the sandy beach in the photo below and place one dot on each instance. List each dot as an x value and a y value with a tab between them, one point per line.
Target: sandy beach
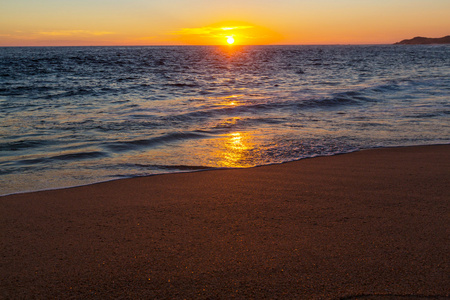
372	224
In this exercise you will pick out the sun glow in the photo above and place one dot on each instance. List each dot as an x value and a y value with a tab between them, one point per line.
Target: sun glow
226	33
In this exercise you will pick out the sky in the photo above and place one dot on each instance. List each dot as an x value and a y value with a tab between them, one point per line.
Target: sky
207	22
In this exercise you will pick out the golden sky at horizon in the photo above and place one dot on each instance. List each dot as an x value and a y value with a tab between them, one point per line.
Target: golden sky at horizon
201	22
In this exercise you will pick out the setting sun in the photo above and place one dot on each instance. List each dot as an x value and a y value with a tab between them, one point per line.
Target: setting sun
230	40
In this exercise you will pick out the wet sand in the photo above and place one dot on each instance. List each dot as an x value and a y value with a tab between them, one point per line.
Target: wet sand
372	224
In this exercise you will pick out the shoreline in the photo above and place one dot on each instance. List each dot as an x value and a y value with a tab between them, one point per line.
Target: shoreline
371	223
215	169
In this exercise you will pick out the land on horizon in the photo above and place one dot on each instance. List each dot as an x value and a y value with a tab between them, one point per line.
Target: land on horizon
418	40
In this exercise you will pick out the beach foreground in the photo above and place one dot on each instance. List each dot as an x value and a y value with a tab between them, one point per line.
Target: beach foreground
372	224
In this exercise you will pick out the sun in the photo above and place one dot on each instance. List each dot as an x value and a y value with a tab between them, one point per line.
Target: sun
230	40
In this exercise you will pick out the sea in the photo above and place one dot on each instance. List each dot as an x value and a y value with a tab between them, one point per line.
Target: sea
72	116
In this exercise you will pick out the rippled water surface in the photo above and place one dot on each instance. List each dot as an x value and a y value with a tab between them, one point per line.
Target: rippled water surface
78	115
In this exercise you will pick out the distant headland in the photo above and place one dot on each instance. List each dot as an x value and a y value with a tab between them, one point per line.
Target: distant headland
425	41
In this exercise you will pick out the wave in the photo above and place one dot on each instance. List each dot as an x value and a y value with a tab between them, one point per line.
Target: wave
294	101
170	167
22	165
122	146
64	157
183	85
24	144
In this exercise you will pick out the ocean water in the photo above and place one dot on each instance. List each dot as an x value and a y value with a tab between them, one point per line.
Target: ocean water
77	115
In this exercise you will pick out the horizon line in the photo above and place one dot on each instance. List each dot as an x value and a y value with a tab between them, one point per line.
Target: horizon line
184	45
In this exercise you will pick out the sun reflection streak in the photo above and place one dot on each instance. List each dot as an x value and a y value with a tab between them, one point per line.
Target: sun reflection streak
230	50
236	141
232	100
235	150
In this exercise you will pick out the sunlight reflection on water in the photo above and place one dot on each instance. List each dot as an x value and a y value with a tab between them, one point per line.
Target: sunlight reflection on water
235	150
95	113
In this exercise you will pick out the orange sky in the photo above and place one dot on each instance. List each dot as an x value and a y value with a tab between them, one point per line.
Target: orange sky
201	22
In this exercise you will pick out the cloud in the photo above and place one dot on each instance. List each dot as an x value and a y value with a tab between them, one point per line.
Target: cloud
237	27
194	31
74	33
209	31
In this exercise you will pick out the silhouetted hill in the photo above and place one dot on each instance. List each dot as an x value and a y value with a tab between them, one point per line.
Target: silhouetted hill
425	41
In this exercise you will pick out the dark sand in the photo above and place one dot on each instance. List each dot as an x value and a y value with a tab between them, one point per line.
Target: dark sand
367	225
